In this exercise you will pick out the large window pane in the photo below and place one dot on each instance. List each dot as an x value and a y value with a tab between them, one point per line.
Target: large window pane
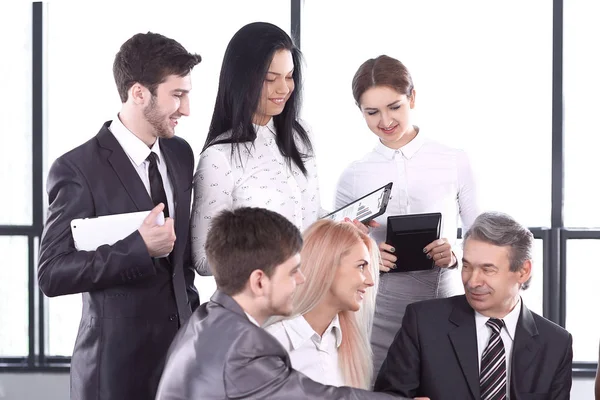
205	28
583	276
14	306
581	62
482	72
15	112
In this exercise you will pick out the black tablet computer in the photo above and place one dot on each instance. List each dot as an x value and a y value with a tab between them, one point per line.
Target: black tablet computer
409	234
366	208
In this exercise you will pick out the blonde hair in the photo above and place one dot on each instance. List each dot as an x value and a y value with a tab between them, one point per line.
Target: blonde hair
326	242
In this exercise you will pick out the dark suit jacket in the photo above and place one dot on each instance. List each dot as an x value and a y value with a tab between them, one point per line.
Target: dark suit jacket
133	304
220	354
435	354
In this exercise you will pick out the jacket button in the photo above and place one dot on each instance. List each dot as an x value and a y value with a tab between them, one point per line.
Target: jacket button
172	317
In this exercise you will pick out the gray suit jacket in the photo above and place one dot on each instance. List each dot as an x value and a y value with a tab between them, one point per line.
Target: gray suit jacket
220	354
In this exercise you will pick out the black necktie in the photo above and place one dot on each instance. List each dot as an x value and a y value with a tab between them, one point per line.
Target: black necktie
157	190
492	378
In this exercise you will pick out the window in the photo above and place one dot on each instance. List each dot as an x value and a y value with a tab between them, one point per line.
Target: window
480	87
16	177
15	113
582	298
581	87
14	335
82	96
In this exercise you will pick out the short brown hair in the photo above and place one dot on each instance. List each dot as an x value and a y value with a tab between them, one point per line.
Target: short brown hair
381	71
148	59
246	239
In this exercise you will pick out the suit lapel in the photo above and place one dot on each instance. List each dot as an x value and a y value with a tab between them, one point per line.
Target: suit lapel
525	346
464	341
124	170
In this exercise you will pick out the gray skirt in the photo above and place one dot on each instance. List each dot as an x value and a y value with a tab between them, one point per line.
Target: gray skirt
399	289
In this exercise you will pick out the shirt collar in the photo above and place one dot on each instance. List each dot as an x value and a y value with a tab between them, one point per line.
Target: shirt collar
510	320
299	330
251	318
133	146
267	130
408	150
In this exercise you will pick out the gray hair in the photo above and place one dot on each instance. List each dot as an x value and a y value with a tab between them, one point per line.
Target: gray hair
502	230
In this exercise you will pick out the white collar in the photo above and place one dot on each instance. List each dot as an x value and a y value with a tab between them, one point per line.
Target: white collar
133	146
267	130
299	330
251	318
510	320
408	150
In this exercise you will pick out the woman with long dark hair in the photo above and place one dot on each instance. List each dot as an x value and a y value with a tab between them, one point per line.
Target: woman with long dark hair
257	152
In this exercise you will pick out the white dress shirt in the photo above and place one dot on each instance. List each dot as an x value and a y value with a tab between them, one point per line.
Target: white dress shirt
261	178
138	151
427	176
313	355
507	334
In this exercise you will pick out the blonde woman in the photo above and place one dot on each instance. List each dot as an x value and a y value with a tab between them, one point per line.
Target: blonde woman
328	337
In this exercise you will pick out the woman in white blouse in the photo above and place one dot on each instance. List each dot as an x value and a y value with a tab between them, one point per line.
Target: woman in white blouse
328	337
427	176
257	153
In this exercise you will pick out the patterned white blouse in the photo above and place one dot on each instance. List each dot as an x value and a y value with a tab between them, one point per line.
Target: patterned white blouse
261	177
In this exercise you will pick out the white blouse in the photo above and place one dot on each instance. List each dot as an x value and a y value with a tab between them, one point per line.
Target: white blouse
313	355
428	177
261	178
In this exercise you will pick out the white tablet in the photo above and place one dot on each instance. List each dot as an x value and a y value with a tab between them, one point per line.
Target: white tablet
91	233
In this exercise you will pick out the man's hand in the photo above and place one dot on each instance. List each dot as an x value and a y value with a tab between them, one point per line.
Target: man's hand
159	239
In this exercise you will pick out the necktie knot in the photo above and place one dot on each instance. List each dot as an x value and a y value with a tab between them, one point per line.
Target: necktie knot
495	324
152	158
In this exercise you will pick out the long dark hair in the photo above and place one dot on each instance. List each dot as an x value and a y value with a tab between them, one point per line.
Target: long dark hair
243	72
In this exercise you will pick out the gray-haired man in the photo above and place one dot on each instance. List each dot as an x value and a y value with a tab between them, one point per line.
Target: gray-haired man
485	344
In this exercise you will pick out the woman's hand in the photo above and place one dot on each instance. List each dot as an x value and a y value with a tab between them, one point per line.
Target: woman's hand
388	259
441	253
362	227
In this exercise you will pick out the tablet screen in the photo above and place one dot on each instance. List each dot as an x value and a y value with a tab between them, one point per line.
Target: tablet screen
365	208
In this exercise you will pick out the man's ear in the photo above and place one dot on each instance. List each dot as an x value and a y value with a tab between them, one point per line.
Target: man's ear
257	282
524	272
139	94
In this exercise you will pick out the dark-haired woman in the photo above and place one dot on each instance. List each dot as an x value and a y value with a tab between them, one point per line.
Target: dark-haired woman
428	177
257	152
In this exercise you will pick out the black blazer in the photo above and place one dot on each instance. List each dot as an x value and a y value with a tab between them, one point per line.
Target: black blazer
435	354
133	305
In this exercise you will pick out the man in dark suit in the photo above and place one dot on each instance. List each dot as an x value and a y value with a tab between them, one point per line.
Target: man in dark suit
222	352
134	298
485	344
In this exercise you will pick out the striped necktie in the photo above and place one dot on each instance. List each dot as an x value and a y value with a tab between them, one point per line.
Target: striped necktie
492	378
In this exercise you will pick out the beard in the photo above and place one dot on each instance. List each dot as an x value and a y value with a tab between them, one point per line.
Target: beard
159	121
